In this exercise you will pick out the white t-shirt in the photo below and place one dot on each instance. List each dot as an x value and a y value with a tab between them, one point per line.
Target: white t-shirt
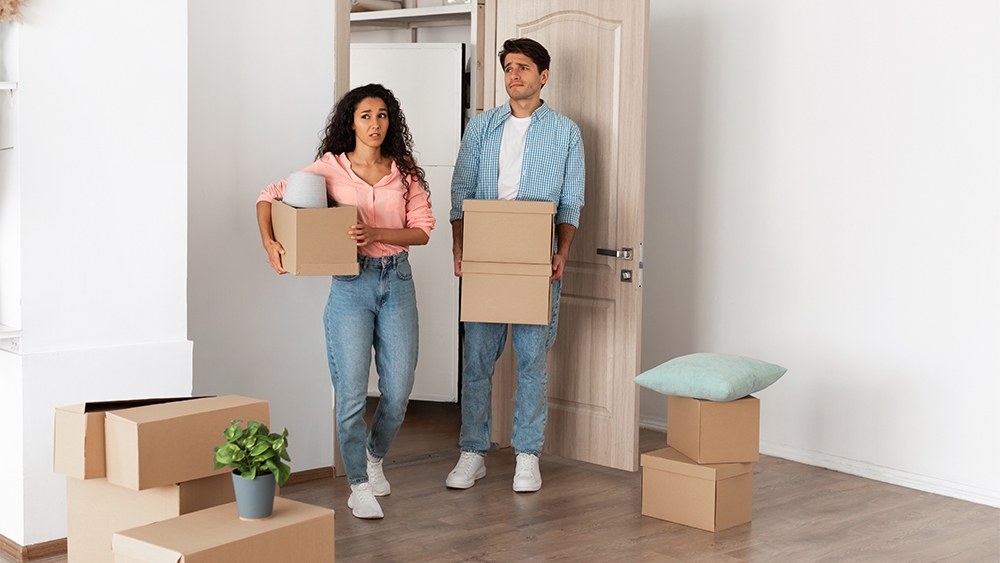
515	130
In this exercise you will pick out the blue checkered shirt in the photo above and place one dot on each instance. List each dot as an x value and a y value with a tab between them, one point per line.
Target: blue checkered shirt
552	168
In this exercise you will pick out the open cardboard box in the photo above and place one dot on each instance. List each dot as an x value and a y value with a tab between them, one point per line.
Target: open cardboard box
79	436
297	532
714	432
316	242
710	497
163	444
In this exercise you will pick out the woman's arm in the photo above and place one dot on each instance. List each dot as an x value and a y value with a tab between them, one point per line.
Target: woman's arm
271	246
365	235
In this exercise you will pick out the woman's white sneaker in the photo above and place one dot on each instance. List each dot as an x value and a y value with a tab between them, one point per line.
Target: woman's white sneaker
362	502
376	478
470	466
527	476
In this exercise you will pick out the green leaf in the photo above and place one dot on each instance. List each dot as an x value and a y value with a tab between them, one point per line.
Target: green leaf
260	448
284	472
252	473
285	456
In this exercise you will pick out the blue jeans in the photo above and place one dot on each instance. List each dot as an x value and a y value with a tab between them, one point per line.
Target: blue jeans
484	342
376	308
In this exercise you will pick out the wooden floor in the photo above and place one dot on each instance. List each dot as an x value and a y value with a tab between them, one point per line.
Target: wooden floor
588	513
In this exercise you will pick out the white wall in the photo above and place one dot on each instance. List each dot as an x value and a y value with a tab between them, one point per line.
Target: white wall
12	469
824	195
102	149
261	86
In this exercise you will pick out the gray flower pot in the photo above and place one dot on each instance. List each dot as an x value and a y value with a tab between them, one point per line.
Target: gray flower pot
254	499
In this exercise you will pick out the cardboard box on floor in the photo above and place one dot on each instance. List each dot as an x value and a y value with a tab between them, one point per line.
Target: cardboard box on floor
97	509
297	532
78	447
164	444
517	232
506	293
710	497
316	242
714	432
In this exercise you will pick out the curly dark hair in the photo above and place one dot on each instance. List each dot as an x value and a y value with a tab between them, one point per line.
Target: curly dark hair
338	136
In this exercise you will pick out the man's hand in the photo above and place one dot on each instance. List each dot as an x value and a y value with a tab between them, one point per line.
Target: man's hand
558	264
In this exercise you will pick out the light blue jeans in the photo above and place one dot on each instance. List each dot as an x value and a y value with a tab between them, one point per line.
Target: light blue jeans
376	308
483	344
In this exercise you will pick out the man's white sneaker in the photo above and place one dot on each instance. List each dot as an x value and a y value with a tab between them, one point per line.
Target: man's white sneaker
376	478
362	502
470	466
527	476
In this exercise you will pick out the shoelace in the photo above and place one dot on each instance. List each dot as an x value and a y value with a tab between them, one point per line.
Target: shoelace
375	471
465	462
364	492
523	464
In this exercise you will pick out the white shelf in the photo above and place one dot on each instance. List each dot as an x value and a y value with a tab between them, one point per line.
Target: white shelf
8	85
10	339
405	18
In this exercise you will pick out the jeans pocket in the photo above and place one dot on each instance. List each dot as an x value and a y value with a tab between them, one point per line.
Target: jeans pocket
347	278
403	270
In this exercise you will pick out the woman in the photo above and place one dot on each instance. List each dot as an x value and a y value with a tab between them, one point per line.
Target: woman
366	157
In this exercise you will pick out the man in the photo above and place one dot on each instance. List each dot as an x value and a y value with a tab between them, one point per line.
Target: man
521	150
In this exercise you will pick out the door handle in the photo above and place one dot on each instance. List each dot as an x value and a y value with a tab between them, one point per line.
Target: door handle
624	253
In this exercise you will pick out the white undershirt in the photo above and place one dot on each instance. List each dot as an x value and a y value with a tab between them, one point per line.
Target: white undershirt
515	129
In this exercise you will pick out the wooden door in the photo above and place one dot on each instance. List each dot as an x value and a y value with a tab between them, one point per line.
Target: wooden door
597	79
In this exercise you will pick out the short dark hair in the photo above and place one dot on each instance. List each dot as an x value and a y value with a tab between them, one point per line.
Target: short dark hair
529	48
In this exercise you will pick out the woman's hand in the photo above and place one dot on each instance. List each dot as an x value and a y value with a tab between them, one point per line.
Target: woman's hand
274	252
363	234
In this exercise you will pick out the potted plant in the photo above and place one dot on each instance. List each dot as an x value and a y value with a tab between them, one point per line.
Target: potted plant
256	458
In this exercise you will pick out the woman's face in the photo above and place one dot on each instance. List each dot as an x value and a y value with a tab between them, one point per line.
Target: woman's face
371	122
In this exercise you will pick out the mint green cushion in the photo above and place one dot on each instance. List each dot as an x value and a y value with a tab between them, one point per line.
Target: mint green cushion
714	377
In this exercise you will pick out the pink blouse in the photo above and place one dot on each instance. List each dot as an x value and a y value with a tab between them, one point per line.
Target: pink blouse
386	205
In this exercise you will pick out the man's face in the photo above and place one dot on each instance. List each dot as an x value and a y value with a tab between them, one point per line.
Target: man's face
521	77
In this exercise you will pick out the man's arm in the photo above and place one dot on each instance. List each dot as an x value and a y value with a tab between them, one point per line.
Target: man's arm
463	184
566	233
456	245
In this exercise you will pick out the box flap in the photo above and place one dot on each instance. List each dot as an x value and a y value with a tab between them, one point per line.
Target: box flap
669	459
168	411
508	206
506	268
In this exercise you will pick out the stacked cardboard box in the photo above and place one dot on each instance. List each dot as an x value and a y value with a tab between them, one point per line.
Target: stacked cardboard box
704	478
507	261
132	463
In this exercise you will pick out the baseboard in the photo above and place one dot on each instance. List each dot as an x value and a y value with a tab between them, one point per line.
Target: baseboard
22	553
653	423
310	475
886	475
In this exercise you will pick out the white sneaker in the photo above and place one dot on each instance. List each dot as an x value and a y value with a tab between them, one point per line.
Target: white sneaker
470	466
376	478
527	476
362	502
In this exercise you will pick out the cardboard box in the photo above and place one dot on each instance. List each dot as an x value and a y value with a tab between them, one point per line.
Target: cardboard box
518	232
316	242
163	444
78	450
506	293
97	509
714	432
298	532
711	497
